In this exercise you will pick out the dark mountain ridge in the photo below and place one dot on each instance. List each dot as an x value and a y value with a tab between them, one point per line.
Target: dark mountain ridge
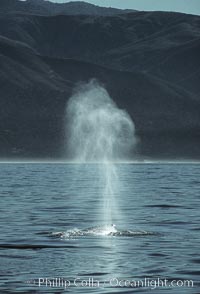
44	7
148	61
152	42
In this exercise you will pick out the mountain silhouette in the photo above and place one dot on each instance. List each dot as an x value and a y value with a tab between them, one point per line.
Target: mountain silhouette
148	61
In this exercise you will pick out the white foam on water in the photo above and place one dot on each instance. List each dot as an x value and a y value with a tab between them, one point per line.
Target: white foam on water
107	230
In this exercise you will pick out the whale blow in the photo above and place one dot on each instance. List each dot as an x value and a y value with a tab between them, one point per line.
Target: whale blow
100	132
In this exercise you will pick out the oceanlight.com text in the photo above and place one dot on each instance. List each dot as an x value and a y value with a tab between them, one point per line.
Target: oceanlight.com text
91	282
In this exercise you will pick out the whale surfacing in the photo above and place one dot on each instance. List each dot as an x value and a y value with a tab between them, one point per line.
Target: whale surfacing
101	231
107	230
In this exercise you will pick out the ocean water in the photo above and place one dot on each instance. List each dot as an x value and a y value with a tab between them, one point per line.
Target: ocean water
48	243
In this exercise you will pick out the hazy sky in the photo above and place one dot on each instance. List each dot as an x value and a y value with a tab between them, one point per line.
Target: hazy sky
187	6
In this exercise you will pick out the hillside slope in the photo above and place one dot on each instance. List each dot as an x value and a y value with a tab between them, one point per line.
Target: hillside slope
43	7
148	61
35	91
162	44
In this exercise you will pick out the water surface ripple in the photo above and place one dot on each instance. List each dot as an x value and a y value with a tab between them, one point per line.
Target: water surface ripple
51	226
